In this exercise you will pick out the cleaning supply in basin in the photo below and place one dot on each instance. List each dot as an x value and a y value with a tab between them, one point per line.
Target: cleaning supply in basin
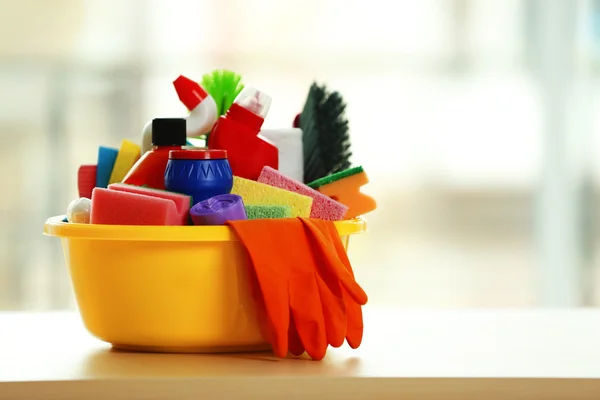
289	145
129	153
306	295
167	134
202	112
115	207
255	193
181	201
106	162
218	209
78	211
146	144
325	134
202	107
86	180
344	187
238	133
323	207
199	173
266	211
224	86
167	301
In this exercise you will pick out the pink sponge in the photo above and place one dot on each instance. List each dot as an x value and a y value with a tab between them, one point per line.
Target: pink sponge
114	207
182	202
323	207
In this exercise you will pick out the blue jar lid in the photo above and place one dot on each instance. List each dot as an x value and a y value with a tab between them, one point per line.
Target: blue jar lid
197	154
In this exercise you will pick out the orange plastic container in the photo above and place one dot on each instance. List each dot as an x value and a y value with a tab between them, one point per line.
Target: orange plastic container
165	288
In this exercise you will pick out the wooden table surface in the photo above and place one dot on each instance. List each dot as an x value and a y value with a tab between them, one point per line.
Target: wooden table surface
405	354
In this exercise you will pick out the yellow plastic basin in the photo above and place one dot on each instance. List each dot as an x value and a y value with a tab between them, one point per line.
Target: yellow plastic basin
165	288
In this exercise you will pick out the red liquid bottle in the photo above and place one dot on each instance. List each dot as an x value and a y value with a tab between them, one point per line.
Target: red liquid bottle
167	134
237	132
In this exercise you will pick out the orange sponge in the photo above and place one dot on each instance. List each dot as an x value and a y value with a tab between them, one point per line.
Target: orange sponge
344	187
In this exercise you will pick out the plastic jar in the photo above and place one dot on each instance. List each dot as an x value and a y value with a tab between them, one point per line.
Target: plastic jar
199	173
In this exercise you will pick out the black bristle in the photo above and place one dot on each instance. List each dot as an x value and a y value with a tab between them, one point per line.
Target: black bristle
313	163
325	134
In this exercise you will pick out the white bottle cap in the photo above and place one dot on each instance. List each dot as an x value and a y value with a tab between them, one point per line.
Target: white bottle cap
254	100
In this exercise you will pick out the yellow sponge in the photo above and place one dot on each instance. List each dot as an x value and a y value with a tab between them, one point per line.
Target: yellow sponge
254	193
129	153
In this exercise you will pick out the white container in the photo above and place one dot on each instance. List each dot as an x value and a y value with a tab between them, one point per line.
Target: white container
289	144
202	106
199	121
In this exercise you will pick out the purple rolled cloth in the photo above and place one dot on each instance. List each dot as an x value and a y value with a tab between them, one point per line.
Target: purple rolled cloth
218	209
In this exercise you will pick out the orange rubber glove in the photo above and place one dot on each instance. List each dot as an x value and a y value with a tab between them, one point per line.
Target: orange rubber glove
302	284
328	235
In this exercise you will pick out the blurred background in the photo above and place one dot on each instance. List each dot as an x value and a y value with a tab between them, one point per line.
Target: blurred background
476	120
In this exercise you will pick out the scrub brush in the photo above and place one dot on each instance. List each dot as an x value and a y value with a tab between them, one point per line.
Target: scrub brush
325	136
223	86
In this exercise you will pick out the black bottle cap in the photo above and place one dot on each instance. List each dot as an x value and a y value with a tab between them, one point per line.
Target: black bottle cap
168	132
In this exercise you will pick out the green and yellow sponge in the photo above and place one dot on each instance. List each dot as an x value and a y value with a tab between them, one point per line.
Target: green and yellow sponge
254	193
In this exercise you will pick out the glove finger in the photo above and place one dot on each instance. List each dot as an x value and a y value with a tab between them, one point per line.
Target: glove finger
334	311
294	341
343	257
326	241
330	290
307	311
354	329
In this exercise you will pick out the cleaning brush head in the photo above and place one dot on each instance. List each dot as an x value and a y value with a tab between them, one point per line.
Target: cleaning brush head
325	135
224	86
